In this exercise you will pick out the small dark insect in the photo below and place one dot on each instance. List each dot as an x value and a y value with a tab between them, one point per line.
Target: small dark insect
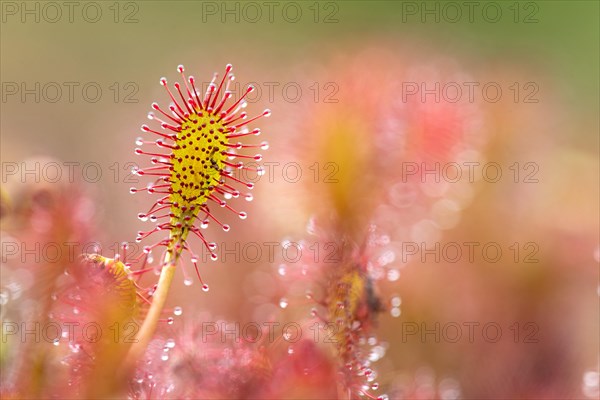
374	304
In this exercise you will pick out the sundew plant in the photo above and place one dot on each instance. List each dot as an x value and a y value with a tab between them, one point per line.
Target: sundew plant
200	136
331	200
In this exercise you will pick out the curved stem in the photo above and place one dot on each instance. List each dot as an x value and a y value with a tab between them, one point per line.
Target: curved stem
159	299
